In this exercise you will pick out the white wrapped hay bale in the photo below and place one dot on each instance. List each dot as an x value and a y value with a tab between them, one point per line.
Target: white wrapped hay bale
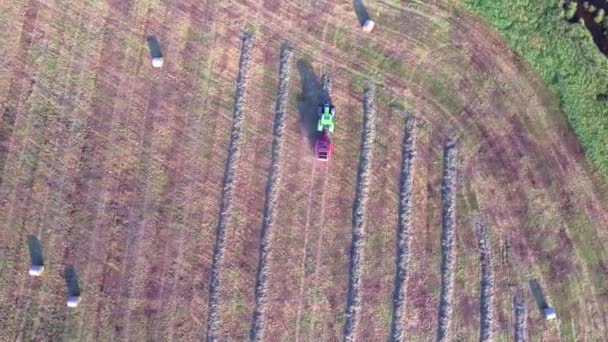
368	25
157	62
73	301
36	270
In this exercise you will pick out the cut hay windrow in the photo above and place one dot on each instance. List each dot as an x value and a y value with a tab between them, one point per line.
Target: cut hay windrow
272	191
448	226
486	286
404	223
521	316
228	188
326	86
361	194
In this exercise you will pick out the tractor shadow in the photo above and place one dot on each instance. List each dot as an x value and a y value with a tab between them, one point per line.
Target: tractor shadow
361	11
154	47
71	281
539	296
35	250
308	100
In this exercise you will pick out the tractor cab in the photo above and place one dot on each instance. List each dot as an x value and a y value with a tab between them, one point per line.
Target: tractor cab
323	146
326	113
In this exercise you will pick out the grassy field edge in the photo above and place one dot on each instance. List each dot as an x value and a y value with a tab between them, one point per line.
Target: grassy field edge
567	60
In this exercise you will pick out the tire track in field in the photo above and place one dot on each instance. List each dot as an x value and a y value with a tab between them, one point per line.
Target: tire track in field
486	286
404	223
353	300
20	82
448	227
315	193
228	188
309	200
324	96
325	172
272	194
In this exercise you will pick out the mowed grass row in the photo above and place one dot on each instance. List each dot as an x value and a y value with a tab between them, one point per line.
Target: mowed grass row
486	285
228	187
353	299
272	193
404	223
521	317
448	250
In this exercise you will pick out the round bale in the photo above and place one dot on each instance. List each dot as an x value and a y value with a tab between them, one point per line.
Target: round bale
36	270
73	301
368	25
157	62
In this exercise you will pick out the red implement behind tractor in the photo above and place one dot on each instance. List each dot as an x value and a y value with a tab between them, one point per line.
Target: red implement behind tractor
324	146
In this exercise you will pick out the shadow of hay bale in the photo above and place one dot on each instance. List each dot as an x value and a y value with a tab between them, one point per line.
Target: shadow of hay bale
35	251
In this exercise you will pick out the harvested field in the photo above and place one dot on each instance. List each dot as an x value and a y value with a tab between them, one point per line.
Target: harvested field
404	224
152	183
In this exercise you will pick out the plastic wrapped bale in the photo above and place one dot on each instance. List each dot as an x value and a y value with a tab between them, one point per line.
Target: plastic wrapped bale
36	270
550	314
73	301
368	25
157	62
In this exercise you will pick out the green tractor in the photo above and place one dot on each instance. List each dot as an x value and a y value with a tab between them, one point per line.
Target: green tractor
325	124
326	113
